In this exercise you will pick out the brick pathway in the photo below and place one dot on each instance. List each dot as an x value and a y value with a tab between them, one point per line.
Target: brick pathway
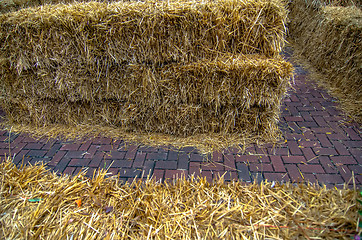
320	146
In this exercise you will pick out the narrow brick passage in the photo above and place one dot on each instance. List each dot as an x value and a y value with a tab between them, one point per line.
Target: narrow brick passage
320	146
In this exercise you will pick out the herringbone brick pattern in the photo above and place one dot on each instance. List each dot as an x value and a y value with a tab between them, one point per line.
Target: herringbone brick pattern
320	146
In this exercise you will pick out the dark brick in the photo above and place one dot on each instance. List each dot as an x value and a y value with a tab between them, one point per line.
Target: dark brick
183	161
91	151
294	119
85	145
105	164
227	175
278	151
327	164
217	156
344	172
279	177
36	160
17	148
322	130
36	153
338	136
166	165
195	171
309	155
90	172
115	155
294	148
294	173
213	166
277	163
131	152
5	152
32	146
113	171
257	177
53	150
353	144
352	134
294	98
357	169
243	172
357	153
79	162
247	158
310	178
158	174
294	159
324	141
306	109
325	151
229	162
69	170
157	156
29	140
329	178
96	160
173	155
311	168
101	140
261	167
173	174
148	168
62	164
306	143
74	154
106	148
70	147
196	157
341	149
122	163
205	174
307	124
343	160
57	157
139	160
147	149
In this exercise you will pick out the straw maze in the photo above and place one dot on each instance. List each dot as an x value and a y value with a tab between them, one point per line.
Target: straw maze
328	35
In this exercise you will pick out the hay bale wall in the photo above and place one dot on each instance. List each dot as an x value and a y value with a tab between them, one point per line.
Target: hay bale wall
329	37
179	67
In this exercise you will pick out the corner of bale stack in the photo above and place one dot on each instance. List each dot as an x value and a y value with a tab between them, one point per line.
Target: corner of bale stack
182	68
38	204
330	40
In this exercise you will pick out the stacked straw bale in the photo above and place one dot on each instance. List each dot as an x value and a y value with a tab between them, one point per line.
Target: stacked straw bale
37	204
331	41
174	67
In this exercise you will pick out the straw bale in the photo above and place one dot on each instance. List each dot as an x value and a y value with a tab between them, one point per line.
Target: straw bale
140	32
219	96
226	80
331	41
37	204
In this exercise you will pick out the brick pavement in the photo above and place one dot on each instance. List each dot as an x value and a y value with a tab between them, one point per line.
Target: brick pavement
320	146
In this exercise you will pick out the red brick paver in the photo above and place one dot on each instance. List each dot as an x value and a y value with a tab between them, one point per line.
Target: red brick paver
320	145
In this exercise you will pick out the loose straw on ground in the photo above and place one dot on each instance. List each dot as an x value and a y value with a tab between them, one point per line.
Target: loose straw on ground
37	204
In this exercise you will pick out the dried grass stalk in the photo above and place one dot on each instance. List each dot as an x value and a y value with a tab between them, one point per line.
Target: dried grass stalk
37	204
331	41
